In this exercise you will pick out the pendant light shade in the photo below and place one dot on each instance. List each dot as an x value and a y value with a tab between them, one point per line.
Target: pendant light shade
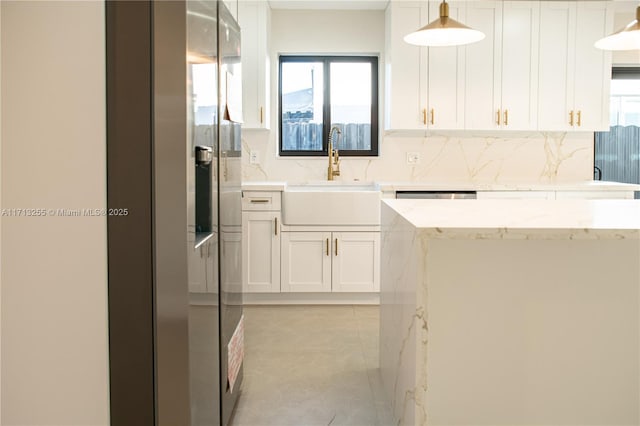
628	38
444	31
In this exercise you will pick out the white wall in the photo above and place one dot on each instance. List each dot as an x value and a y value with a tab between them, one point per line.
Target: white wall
54	269
459	156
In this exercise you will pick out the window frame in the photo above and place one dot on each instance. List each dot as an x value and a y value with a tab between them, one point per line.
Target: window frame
326	61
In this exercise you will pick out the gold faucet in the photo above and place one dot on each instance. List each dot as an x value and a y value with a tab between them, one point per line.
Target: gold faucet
334	157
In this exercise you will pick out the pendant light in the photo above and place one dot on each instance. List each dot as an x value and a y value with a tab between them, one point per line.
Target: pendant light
628	38
444	31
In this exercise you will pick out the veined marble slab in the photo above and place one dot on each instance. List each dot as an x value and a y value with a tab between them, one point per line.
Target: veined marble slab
463	186
521	218
507	186
511	312
264	186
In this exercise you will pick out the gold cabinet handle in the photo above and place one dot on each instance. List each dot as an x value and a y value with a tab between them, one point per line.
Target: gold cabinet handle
433	116
275	229
327	247
424	116
498	118
261	116
506	117
259	201
579	118
571	118
336	246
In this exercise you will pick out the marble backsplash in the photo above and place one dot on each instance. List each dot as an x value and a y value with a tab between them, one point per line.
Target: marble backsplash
530	157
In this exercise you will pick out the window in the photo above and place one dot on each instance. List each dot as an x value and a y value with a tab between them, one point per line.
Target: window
625	97
319	92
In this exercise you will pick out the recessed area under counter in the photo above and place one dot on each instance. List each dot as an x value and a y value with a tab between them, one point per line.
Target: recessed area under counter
511	312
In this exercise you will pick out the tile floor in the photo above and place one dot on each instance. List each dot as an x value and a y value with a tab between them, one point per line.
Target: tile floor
311	365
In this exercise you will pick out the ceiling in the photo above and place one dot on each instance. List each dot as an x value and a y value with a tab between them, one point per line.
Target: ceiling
382	4
329	4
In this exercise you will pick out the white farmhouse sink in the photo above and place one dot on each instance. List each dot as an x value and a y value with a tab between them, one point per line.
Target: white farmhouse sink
331	203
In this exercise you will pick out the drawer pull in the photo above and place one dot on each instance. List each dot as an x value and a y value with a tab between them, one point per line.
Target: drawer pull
258	201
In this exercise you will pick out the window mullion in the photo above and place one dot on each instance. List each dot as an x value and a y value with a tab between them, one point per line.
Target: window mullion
326	105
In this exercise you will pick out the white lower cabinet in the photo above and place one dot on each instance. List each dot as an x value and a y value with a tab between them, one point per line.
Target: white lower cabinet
556	195
501	195
203	271
261	251
594	195
355	265
231	247
306	262
330	262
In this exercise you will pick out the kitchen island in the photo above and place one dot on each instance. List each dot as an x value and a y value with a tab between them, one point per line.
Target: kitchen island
511	312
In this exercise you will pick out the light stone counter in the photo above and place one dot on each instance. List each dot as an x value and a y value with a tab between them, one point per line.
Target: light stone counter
465	186
511	312
264	186
513	186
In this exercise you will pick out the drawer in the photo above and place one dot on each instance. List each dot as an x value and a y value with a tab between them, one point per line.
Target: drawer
261	200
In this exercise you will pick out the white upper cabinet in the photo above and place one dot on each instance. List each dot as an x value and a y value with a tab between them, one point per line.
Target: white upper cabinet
592	78
536	69
254	19
501	70
482	76
574	76
519	65
424	86
445	78
405	71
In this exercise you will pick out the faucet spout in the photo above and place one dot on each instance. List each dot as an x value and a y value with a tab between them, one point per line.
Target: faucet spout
334	158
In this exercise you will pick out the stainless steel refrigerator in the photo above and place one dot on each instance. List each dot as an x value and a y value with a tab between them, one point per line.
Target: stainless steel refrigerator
214	231
173	160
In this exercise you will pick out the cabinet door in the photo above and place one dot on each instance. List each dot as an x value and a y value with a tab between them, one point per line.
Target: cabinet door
405	88
445	88
356	262
592	78
306	262
212	264
231	279
519	65
197	275
482	71
254	23
516	195
557	19
261	252
594	195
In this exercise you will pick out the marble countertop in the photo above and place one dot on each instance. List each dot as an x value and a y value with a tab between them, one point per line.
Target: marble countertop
515	186
264	186
466	186
504	215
